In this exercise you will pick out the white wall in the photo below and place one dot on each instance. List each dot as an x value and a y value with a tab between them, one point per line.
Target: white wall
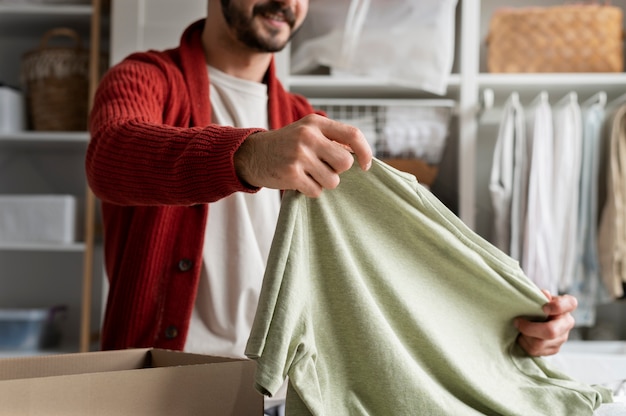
138	25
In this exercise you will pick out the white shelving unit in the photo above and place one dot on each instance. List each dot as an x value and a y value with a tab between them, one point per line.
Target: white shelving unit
473	145
36	275
528	86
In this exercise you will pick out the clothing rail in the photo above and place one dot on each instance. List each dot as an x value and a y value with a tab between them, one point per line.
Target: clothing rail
489	113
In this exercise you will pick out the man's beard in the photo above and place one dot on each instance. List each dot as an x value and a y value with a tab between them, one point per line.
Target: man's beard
244	29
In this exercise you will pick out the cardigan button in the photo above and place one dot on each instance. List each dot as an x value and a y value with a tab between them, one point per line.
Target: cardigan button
185	265
171	332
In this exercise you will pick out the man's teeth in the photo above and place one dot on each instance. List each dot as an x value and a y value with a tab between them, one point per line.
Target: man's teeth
275	16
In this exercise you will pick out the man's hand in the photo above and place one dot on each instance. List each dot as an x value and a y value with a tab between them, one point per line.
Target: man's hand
546	338
307	155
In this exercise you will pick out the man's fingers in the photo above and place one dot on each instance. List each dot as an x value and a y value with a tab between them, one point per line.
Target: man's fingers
310	188
349	136
560	304
555	328
307	155
537	347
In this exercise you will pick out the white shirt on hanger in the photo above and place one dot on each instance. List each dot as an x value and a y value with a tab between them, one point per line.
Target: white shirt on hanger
508	180
539	255
566	180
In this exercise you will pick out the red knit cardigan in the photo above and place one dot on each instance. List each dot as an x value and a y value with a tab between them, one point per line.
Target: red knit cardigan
155	161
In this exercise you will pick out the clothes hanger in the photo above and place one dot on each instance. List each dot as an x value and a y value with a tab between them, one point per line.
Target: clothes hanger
569	98
616	103
598	98
514	98
541	98
487	99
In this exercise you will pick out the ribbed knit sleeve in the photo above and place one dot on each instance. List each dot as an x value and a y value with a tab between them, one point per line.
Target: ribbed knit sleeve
142	150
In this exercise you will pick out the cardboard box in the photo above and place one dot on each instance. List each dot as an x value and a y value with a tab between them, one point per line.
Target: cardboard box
128	382
424	172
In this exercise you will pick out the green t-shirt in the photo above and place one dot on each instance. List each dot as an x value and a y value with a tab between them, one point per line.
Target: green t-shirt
378	300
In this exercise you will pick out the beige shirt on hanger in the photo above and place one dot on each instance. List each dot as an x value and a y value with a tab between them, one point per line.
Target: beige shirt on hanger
612	232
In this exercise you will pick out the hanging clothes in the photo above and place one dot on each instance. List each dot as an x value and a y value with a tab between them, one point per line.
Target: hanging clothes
612	232
586	285
538	257
379	299
567	153
508	180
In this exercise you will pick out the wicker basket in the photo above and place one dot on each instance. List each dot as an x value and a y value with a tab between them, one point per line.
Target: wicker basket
56	80
567	38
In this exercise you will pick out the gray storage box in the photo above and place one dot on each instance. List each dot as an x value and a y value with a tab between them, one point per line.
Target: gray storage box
37	219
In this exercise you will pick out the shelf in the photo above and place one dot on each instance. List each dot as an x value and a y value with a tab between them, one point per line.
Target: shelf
383	102
51	162
29	19
19	354
46	11
45	247
529	85
45	140
355	86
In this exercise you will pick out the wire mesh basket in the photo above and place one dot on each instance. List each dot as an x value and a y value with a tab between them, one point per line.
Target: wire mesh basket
410	135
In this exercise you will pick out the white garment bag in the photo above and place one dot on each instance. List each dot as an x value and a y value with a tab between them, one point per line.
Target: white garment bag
405	42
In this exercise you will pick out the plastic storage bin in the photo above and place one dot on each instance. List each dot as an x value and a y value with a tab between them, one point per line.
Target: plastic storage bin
30	329
38	218
12	110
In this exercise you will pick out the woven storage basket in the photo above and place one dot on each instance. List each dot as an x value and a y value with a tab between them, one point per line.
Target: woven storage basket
56	80
567	38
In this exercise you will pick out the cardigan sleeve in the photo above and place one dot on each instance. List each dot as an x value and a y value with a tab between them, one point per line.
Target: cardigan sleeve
143	150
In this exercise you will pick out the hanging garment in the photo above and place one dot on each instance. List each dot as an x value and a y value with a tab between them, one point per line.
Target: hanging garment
508	180
612	232
377	299
565	188
538	258
586	285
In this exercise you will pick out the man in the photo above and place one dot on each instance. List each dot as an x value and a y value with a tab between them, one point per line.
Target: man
189	150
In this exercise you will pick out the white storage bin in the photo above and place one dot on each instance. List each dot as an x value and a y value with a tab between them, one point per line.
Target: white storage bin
37	219
12	110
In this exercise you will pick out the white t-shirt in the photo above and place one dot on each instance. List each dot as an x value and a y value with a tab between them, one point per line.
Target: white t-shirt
239	233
